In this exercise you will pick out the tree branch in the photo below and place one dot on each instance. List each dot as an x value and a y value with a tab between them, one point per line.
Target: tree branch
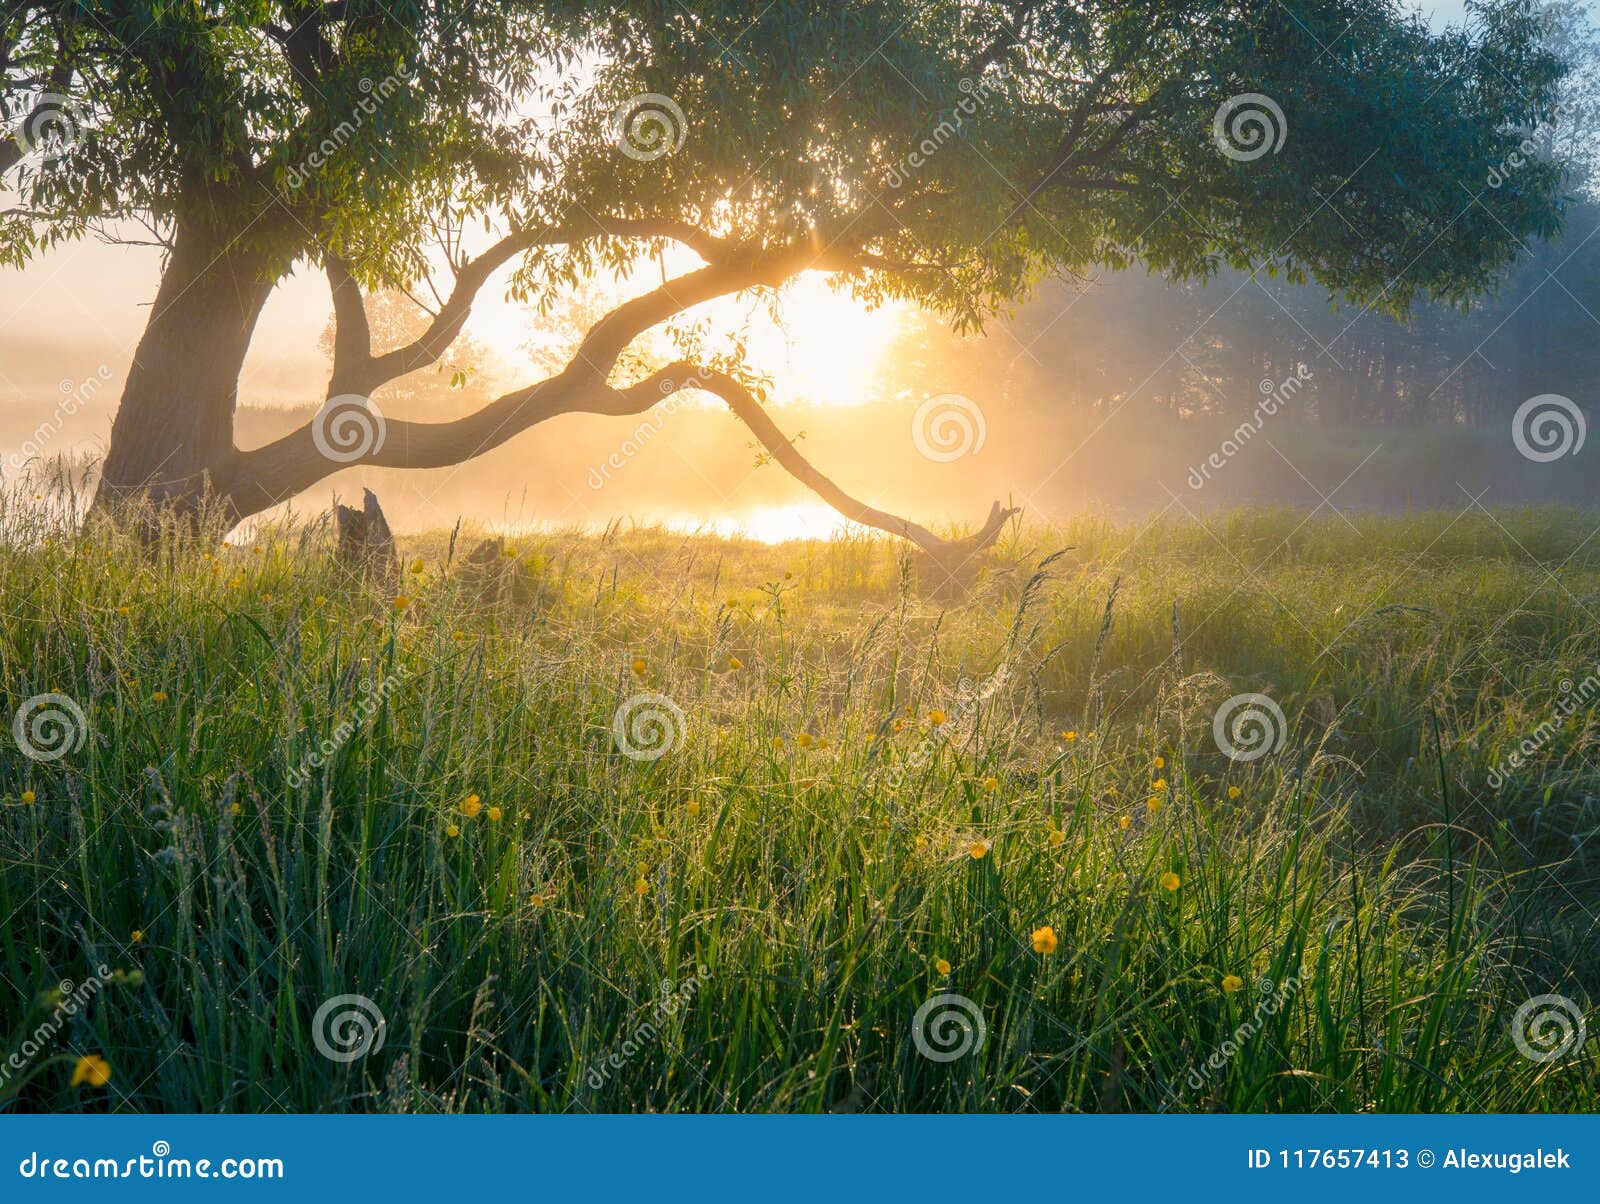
950	553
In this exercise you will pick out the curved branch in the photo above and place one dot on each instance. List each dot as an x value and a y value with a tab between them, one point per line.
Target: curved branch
951	553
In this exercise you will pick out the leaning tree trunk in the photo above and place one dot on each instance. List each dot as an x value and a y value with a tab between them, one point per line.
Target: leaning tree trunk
173	432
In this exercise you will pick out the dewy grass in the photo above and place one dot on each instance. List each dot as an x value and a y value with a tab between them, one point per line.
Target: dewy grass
464	854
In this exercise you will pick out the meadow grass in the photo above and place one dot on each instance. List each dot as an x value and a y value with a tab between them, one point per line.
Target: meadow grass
273	806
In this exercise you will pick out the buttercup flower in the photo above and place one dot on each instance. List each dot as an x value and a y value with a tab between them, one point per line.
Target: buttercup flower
471	805
417	567
1153	803
641	887
937	718
1044	940
91	1069
735	663
991	783
692	807
804	740
942	966
1069	736
1170	881
159	696
1056	836
1160	763
28	796
1231	983
494	814
452	830
1159	784
1234	792
137	936
978	850
1124	822
639	666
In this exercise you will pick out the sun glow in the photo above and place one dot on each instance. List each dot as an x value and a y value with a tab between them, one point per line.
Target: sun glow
826	346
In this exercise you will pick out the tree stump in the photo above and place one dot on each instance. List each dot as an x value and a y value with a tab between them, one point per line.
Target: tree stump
366	545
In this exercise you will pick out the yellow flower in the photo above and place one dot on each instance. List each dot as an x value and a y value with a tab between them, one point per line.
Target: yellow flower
159	696
452	830
735	663
1234	792
471	805
1231	983
1153	803
692	807
27	796
978	850
803	739
991	783
1170	881
937	718
1161	763
1159	784
266	597
417	567
899	725
1069	736
234	808
320	599
91	1069
1044	940
137	936
536	899
1056	836
639	666
1124	822
123	610
401	602
458	636
641	887
494	814
942	966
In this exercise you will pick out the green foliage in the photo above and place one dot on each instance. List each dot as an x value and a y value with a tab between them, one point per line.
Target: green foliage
1413	908
1065	135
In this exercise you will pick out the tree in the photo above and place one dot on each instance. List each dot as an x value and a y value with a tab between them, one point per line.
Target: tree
949	152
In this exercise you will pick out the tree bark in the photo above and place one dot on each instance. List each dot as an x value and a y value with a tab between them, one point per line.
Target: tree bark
173	431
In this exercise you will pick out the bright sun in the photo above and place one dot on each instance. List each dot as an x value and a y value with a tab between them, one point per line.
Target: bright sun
828	344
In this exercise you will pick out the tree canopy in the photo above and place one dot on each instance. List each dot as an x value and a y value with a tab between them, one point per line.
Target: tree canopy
953	153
